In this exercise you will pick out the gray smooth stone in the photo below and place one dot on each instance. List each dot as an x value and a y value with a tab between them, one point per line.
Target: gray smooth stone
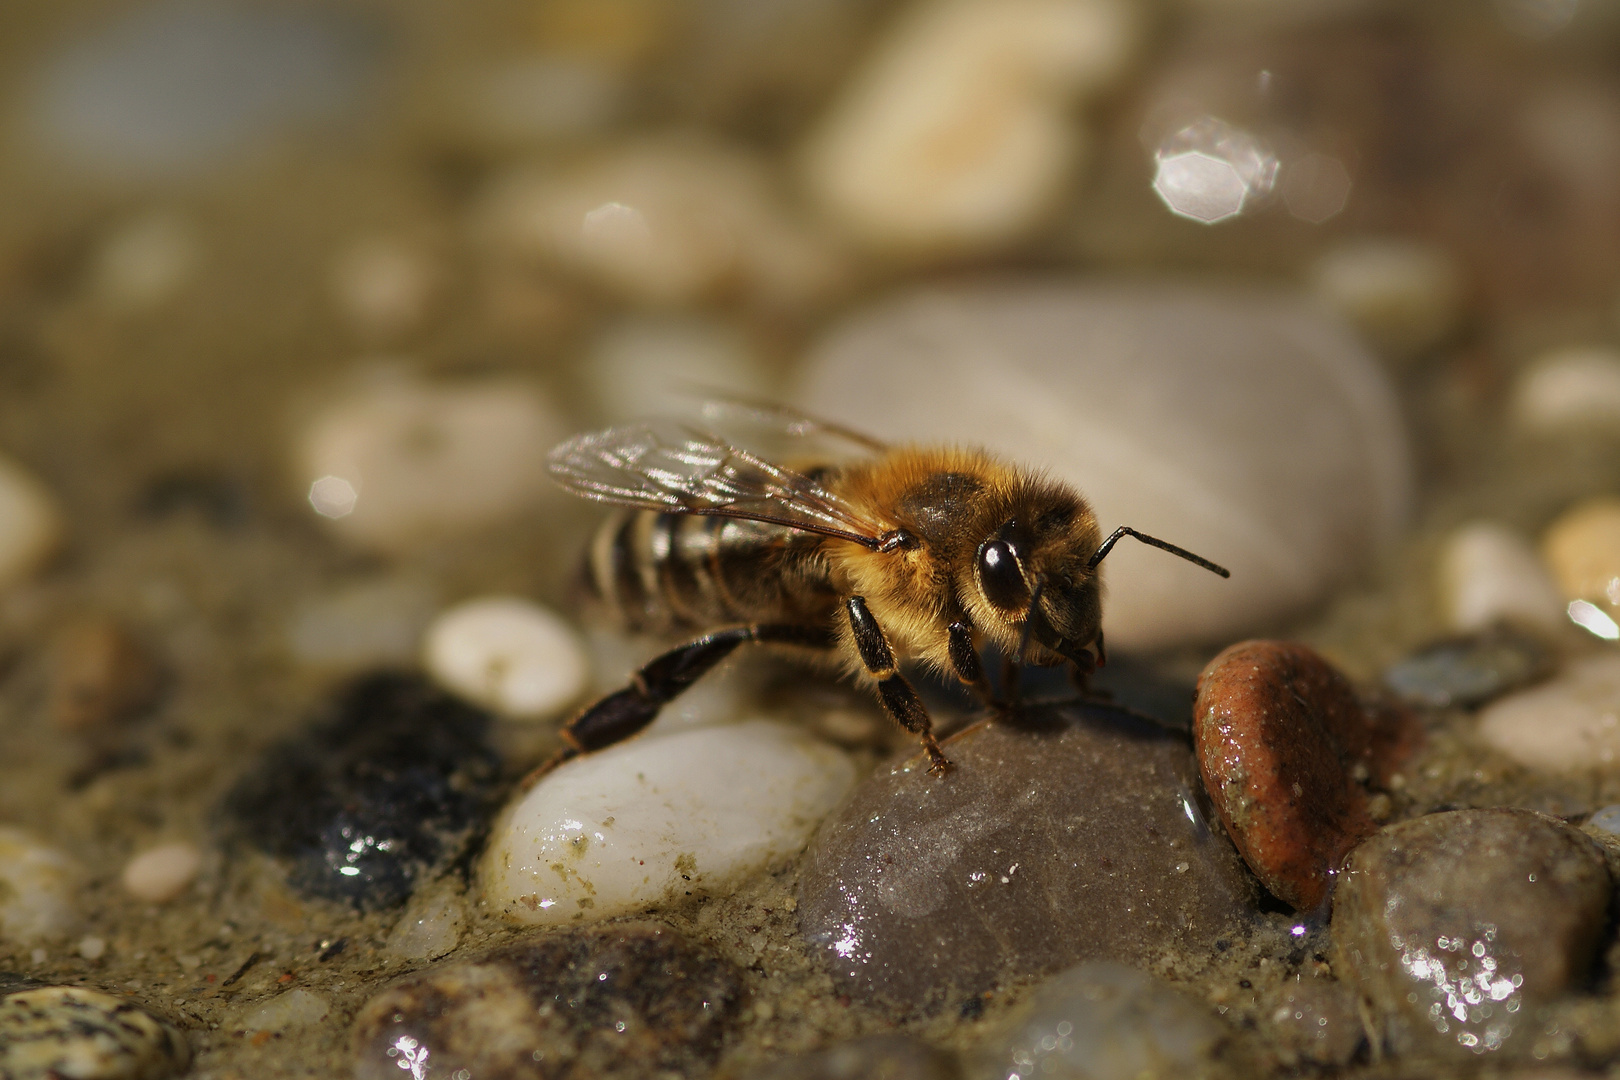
1459	925
1083	839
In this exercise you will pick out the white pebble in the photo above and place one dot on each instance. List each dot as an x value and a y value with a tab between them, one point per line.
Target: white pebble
368	624
656	819
1571	723
162	873
668	221
400	462
293	1009
1404	295
383	285
1241	425
1606	820
37	888
508	654
30	524
1488	573
958	134
1568	390
430	928
92	947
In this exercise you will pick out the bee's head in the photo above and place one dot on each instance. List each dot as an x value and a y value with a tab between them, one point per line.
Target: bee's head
1032	580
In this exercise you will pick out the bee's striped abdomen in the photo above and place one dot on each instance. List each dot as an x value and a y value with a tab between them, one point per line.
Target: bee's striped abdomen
665	572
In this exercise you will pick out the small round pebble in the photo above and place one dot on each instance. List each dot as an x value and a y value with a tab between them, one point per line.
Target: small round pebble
1568	724
30	523
1280	737
38	886
99	674
292	1009
1582	548
399	462
71	1032
1606	820
1405	295
665	221
383	285
1469	671
1104	1021
162	873
508	654
92	947
1458	925
1487	574
622	1003
1570	390
145	262
948	139
428	930
660	818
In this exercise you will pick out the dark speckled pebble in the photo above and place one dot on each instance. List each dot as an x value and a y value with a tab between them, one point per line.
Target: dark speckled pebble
626	1002
1469	671
1080	839
875	1057
57	1032
388	788
1284	744
1458	925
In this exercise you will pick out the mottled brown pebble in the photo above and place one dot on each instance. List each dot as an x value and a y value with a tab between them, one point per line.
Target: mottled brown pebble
627	1001
1283	743
99	674
66	1031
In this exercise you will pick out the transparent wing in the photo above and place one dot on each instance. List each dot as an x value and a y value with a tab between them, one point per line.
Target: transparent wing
783	427
671	468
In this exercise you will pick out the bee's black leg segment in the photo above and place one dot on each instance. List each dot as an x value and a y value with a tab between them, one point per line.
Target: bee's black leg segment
662	679
898	697
965	662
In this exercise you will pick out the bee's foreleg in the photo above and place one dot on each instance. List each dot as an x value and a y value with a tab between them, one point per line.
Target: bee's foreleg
898	697
965	662
625	712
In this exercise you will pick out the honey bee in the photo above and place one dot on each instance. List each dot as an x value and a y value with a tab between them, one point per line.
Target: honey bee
930	554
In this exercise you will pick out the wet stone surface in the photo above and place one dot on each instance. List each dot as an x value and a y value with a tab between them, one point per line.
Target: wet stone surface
874	1057
1470	670
1315	1021
387	789
633	1000
1076	836
67	1031
1107	1022
1458	925
1283	742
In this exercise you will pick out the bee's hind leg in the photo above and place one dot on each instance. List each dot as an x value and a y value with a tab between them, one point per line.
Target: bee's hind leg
658	682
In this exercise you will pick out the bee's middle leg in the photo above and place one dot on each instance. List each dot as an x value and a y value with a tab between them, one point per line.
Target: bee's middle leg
658	682
898	697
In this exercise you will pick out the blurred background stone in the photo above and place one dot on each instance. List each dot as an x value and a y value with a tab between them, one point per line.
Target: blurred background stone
1239	425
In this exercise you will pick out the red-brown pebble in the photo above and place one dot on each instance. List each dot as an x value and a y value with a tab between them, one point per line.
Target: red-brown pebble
1283	744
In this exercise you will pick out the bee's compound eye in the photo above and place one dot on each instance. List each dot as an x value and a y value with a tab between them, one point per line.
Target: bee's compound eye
1000	578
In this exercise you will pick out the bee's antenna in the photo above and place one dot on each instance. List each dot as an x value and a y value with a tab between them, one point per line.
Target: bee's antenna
1126	530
